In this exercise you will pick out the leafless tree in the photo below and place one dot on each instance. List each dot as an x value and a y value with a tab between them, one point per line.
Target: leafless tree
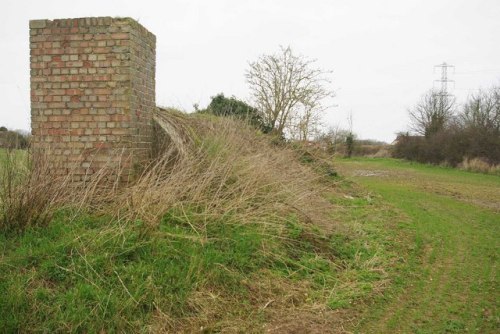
305	124
432	113
349	140
334	137
288	90
482	111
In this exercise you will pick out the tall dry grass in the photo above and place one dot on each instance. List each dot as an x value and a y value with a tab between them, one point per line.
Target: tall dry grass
32	188
205	168
219	167
28	191
479	165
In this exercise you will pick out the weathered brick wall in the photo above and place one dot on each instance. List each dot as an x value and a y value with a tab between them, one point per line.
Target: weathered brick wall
92	93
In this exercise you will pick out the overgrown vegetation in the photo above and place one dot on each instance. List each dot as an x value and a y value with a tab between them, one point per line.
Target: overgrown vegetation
225	231
454	137
216	236
233	107
28	193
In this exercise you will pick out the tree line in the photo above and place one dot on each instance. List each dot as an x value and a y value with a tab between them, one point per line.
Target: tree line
289	95
11	139
444	132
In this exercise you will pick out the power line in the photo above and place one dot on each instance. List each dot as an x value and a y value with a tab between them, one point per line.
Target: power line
472	72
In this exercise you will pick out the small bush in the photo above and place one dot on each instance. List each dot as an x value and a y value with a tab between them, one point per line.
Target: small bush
232	107
13	139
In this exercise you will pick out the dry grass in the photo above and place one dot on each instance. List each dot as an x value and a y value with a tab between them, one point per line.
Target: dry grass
29	192
211	167
32	188
217	167
479	165
216	171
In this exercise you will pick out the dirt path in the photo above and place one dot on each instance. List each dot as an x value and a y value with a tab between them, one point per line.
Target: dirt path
449	283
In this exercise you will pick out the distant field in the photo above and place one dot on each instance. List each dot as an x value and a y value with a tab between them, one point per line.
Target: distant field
449	280
19	156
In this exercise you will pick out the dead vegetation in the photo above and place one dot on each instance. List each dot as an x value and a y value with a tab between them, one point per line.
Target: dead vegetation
214	182
480	166
29	193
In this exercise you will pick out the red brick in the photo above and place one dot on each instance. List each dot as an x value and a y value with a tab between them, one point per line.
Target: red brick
120	36
102	91
73	92
78	106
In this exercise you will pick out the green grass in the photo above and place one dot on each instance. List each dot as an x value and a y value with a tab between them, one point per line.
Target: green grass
235	248
450	277
86	274
91	273
411	249
17	154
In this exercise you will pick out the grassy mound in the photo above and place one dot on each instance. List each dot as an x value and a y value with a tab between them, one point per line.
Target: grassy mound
225	231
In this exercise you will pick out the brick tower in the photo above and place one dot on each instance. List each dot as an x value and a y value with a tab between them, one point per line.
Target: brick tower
92	93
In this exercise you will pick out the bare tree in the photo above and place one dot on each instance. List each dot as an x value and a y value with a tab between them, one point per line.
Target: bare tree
305	124
349	140
288	91
482	111
432	113
334	137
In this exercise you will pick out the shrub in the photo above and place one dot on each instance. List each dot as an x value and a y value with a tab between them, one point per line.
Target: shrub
13	139
232	107
408	147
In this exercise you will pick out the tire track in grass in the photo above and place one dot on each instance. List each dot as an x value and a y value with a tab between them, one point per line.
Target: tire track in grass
452	287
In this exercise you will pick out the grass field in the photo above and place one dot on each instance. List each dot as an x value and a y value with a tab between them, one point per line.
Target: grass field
403	248
448	282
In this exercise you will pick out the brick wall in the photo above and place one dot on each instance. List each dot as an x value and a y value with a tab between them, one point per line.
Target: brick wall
92	93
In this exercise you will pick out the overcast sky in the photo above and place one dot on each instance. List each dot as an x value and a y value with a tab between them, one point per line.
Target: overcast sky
382	53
